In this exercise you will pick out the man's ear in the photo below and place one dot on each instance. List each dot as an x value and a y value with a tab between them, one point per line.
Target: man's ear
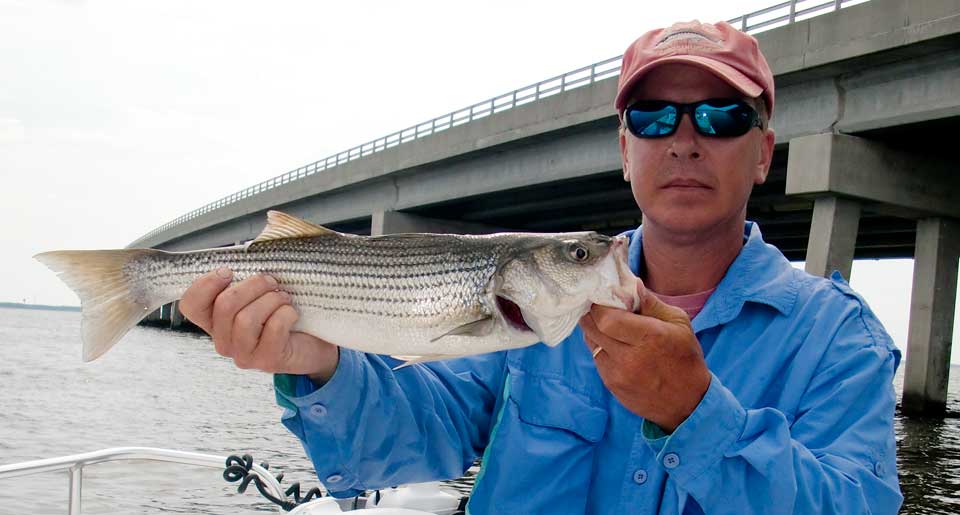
765	157
623	154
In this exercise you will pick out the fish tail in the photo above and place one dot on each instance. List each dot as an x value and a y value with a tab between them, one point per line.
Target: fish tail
112	301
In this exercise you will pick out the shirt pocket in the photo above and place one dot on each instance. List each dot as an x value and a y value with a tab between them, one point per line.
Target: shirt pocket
541	456
549	403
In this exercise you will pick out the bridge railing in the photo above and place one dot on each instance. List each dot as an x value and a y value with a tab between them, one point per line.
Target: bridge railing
552	86
786	13
774	16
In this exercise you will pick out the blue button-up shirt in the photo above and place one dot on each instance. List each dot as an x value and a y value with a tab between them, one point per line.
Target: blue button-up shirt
798	417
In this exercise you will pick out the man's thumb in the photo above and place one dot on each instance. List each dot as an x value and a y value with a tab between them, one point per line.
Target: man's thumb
652	306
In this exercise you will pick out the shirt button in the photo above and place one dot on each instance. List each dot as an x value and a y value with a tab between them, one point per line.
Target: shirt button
334	478
671	460
640	476
878	468
318	410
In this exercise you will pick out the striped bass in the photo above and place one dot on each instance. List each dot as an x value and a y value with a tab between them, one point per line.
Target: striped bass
420	297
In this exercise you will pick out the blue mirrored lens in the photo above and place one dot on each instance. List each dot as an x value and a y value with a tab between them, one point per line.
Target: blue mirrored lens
724	120
652	121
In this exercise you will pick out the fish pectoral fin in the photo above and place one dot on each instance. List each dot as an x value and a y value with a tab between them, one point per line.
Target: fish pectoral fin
281	226
411	360
481	327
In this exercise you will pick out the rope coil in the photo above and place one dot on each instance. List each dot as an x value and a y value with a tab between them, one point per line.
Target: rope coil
238	469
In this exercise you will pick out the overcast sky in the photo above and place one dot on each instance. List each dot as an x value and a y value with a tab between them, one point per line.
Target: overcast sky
117	116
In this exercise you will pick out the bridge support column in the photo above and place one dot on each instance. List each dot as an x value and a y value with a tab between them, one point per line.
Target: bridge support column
895	182
833	236
154	318
931	316
176	317
393	222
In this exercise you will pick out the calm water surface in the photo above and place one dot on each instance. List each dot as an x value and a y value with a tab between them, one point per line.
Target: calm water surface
164	389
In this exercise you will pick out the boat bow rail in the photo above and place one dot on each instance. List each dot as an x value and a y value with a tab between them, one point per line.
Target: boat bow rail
74	465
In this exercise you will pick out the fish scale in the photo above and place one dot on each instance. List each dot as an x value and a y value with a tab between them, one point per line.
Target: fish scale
426	296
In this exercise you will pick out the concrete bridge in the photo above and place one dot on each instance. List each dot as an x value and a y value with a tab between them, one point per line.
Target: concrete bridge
867	112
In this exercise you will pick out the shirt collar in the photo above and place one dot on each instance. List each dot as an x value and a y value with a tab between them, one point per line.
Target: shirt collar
759	274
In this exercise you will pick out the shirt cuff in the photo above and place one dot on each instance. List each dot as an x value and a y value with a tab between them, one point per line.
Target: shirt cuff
284	386
310	416
298	392
655	436
701	440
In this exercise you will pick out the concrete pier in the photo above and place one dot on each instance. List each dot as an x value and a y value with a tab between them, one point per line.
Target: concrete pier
833	236
932	307
845	173
154	317
176	317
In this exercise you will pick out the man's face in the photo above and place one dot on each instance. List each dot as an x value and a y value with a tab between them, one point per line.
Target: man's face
688	183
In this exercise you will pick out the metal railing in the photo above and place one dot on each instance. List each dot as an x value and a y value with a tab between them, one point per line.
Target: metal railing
774	16
75	464
552	86
785	13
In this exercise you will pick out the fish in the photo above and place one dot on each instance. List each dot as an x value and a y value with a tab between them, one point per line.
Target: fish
417	297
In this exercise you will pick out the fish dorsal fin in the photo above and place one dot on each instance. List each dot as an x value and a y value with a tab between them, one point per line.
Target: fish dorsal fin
282	226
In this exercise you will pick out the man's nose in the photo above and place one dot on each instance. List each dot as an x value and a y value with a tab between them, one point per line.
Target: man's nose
685	142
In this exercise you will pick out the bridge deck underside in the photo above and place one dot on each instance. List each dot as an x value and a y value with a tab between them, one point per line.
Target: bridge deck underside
605	203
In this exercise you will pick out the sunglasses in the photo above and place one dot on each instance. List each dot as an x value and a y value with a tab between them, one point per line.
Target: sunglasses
716	117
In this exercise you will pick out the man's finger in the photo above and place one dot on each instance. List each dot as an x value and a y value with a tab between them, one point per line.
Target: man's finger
274	351
589	331
594	336
623	326
229	303
197	301
249	322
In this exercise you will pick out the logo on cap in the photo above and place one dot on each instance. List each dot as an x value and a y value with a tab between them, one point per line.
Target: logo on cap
689	36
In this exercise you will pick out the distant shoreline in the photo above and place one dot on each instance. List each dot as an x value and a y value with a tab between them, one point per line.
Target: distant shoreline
43	307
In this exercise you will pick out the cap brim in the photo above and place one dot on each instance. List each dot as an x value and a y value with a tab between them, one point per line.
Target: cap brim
728	73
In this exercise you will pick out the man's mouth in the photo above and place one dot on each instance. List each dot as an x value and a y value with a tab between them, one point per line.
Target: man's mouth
686	183
511	312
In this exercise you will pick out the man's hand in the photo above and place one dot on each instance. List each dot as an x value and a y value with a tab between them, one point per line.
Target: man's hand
651	361
251	323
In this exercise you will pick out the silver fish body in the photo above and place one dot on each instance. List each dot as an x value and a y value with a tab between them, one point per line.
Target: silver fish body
420	296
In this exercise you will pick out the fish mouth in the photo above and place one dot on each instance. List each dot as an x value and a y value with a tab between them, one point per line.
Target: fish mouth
512	314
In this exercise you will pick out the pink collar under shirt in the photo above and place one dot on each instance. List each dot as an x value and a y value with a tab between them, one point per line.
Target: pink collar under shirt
692	303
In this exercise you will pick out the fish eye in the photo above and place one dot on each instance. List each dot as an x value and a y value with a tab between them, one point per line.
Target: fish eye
578	252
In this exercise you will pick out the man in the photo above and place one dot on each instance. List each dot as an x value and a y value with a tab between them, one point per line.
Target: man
777	398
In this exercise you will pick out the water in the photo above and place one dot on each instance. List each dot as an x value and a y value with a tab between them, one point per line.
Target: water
164	389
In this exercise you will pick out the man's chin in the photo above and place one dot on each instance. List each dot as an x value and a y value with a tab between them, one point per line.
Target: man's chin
693	222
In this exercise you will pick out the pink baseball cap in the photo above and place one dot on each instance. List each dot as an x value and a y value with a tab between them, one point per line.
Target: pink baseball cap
718	48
